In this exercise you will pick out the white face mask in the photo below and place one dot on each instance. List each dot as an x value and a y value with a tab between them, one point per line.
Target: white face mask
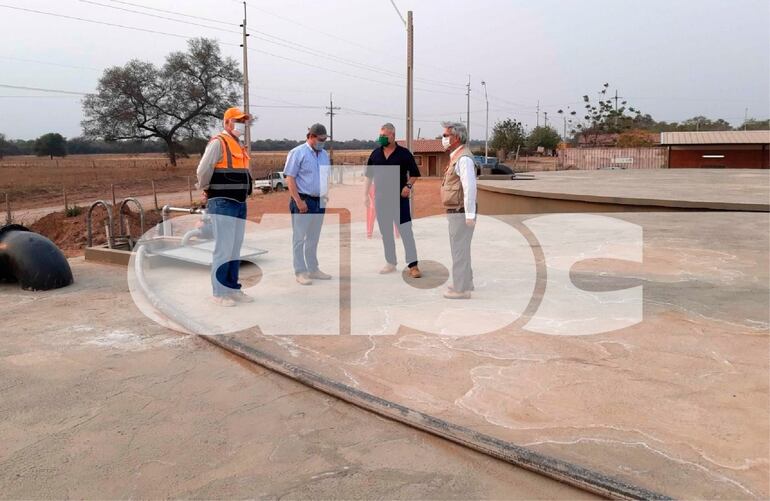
445	142
239	128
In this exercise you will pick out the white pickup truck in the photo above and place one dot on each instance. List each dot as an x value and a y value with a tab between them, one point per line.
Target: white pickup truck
275	182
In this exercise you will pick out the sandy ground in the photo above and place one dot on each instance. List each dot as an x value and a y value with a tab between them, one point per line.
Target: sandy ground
96	401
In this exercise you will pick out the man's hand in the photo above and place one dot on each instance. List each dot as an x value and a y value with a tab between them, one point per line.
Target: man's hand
302	206
470	223
405	192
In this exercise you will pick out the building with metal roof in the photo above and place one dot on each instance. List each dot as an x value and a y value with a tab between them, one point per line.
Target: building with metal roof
718	149
429	155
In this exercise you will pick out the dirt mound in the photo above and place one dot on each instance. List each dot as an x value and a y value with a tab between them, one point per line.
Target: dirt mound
70	233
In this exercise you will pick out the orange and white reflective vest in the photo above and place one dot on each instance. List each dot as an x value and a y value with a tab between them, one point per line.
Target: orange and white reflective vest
231	177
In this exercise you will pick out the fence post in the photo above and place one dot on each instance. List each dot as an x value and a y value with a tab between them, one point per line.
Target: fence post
154	194
64	193
8	215
112	187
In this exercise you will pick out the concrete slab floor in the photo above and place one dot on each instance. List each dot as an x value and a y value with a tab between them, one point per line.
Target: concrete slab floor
97	401
725	189
676	403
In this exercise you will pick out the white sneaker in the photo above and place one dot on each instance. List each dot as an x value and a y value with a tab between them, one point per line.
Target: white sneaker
223	301
241	297
388	268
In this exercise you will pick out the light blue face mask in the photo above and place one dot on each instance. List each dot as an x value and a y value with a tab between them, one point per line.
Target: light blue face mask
320	145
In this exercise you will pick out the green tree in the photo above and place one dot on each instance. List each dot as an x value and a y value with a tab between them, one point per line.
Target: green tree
547	137
507	135
5	146
701	123
181	100
52	145
608	116
754	124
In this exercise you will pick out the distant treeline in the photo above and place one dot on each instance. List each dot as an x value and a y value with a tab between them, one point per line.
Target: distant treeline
82	146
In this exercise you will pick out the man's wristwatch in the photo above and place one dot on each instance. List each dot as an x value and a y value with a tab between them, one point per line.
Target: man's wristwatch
409	185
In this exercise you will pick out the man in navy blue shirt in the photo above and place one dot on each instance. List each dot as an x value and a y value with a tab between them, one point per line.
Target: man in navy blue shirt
393	171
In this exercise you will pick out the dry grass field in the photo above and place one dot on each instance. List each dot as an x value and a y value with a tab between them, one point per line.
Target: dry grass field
39	181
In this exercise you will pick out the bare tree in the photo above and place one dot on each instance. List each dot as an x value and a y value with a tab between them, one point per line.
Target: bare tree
181	100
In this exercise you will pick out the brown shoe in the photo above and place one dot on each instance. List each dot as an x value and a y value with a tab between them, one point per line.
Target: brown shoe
304	279
453	294
320	275
415	272
388	268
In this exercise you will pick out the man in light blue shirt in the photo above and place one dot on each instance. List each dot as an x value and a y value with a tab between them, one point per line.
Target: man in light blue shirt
306	171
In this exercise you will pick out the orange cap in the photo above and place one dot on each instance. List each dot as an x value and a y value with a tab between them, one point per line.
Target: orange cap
235	114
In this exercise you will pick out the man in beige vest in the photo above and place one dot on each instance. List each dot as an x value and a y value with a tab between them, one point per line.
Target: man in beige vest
458	195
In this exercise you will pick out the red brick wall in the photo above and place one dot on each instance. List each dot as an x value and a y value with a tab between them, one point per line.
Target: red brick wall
734	159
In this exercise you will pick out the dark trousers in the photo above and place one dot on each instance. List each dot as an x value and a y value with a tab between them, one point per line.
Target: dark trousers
386	219
460	236
228	223
306	231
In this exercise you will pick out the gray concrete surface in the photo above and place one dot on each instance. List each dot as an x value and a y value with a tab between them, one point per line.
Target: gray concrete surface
676	403
97	401
718	189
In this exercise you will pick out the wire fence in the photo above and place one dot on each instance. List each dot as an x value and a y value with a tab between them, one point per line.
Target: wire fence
608	158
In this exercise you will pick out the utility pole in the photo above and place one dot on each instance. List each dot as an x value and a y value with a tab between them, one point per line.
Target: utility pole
246	109
616	107
409	80
538	113
545	121
564	136
409	73
331	111
486	132
468	113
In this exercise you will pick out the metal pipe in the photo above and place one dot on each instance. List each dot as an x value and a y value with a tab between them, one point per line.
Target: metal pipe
89	229
191	234
141	215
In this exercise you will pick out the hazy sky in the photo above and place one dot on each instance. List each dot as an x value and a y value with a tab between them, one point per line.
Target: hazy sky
671	58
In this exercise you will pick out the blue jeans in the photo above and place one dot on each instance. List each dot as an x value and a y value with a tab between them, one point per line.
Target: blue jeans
228	222
306	230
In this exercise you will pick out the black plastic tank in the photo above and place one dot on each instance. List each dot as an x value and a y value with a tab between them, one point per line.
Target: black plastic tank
32	260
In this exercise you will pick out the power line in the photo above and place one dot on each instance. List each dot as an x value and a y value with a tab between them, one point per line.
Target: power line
175	35
92	21
175	13
36	97
56	91
266	37
48	63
